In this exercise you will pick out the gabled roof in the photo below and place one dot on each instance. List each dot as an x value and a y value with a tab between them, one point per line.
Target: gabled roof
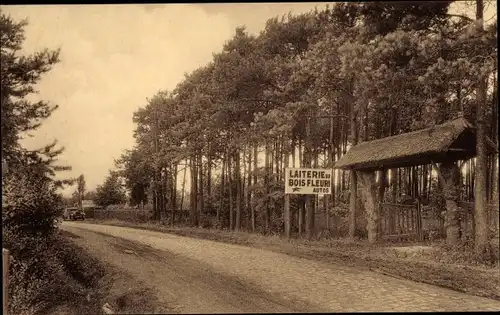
453	140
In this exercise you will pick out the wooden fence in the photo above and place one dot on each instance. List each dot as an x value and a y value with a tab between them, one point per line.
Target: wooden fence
132	215
398	221
138	215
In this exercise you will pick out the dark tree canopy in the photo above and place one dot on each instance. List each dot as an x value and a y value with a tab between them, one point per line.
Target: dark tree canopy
111	191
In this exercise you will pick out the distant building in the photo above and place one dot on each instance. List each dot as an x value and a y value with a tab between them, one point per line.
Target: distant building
88	204
89	207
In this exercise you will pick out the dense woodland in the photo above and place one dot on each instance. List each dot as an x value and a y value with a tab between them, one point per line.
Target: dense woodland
301	93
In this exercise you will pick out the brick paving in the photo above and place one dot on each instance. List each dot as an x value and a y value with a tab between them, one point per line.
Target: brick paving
330	287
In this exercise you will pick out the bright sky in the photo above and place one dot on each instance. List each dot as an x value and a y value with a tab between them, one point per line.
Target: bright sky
115	56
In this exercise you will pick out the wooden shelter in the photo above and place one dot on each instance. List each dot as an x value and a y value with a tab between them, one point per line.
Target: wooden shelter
445	144
451	141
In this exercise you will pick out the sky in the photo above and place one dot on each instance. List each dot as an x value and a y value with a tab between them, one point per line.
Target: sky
113	57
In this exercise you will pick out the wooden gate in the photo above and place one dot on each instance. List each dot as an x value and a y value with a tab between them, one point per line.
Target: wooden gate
398	221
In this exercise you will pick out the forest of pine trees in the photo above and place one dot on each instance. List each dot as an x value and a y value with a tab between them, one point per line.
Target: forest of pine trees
217	145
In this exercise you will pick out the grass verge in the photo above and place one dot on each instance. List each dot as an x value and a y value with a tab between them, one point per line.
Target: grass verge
431	264
91	284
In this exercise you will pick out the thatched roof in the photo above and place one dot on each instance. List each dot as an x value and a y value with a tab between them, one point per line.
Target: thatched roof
453	140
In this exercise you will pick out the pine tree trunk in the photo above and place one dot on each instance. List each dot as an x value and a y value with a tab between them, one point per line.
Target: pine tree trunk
267	183
331	200
222	193
238	190
242	180
154	199
327	198
301	158
494	137
353	187
425	181
481	215
183	186
277	157
201	195
472	180
400	181
209	176
271	159
495	180
194	192
382	186
255	167
394	180
248	193
230	180
174	193
286	205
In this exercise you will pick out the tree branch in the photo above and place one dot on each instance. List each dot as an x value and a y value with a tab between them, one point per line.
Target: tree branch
461	16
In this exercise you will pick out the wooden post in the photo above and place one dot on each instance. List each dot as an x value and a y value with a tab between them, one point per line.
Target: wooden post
6	263
286	212
287	215
419	223
308	198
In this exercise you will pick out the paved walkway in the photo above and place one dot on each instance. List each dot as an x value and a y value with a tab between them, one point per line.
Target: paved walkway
329	287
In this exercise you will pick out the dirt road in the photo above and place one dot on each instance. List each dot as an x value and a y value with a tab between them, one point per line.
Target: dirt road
201	276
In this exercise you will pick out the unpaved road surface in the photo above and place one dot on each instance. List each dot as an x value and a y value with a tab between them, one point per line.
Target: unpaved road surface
202	276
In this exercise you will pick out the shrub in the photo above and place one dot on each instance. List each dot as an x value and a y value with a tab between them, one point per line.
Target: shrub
44	270
58	272
30	207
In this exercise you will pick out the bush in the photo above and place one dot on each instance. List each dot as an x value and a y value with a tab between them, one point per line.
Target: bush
45	269
30	207
55	274
463	253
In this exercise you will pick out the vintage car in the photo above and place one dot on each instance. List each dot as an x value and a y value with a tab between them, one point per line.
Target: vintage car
73	214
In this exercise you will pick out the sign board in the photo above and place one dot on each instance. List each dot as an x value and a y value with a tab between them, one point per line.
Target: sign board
308	181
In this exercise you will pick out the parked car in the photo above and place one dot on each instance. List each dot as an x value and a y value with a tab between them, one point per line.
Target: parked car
73	214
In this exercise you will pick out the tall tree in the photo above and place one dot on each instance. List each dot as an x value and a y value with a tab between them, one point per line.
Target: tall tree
111	192
30	200
19	74
480	214
80	189
393	75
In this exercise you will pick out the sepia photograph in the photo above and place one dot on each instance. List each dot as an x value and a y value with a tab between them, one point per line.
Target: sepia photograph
272	157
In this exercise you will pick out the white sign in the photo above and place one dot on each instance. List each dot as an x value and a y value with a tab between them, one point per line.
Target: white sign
308	181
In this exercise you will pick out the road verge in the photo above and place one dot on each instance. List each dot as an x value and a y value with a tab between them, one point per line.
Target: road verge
109	290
